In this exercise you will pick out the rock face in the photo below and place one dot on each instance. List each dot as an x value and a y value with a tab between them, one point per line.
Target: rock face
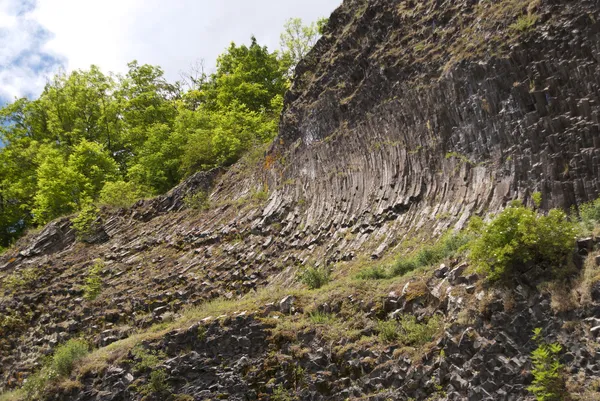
406	118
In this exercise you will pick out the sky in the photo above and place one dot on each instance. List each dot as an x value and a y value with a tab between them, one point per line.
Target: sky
40	37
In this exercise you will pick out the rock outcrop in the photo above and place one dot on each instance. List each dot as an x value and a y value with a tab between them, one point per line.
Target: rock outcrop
407	118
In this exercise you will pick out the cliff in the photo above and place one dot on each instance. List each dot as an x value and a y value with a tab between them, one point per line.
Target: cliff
407	118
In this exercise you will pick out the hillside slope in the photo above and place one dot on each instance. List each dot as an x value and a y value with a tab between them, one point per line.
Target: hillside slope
407	118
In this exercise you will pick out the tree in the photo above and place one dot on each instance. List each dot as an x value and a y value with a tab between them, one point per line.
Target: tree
297	39
250	76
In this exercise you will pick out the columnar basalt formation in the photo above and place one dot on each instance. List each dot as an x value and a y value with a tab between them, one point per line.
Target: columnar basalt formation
406	118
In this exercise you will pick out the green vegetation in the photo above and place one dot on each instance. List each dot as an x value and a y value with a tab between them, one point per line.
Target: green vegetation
408	331
589	214
448	246
321	318
120	193
146	359
67	354
297	39
93	281
197	201
525	22
548	373
314	277
22	278
12	322
84	222
157	384
95	138
59	366
519	236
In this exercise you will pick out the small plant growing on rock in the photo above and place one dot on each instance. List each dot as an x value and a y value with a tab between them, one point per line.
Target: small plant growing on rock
146	359
93	282
525	22
197	201
314	277
85	222
67	354
589	214
388	330
548	373
321	318
519	237
157	383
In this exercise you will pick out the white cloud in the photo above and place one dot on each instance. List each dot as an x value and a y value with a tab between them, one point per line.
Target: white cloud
24	65
37	37
173	34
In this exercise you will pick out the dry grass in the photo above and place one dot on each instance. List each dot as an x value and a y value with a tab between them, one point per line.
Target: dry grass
12	396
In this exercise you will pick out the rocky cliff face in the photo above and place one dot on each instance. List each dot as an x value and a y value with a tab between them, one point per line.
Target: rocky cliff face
406	118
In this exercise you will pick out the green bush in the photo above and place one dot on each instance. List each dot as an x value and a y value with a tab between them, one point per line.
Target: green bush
84	222
120	194
314	277
388	330
417	334
408	331
93	282
589	214
146	359
525	22
158	382
67	354
519	236
34	388
372	273
197	201
548	373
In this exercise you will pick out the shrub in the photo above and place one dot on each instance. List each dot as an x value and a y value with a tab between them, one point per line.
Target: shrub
417	334
372	273
589	214
146	359
23	278
519	236
67	354
197	201
158	382
314	277
120	194
388	330
93	282
548	373
84	223
321	318
34	388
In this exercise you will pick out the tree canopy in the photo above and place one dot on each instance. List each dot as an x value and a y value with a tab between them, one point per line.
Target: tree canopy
94	137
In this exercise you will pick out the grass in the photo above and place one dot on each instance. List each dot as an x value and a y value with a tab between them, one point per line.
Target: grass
408	331
314	277
321	318
67	354
525	23
16	395
448	246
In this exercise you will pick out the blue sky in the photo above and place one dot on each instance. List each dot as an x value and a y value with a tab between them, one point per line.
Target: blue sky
39	37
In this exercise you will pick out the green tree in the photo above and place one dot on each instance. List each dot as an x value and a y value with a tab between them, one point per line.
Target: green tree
249	75
60	189
297	39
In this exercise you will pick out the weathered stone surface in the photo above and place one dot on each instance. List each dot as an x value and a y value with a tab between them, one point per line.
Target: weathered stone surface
378	144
